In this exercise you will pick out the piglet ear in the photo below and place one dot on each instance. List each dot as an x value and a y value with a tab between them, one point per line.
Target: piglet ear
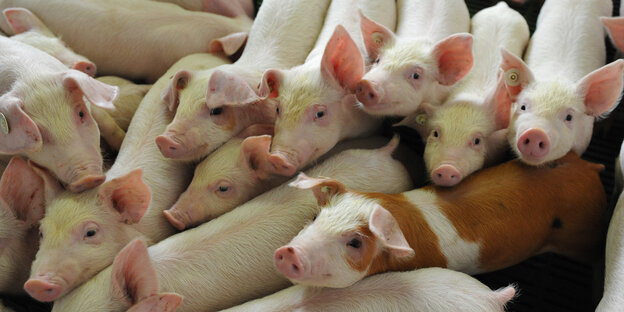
454	57
22	20
18	132
323	188
500	101
133	275
271	81
516	74
255	155
229	89
229	44
167	302
342	61
51	185
615	27
98	93
375	36
602	88
22	190
171	95
385	227
128	195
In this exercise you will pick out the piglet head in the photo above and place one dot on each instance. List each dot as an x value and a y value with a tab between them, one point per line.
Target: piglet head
81	234
230	176
30	30
393	88
206	119
332	253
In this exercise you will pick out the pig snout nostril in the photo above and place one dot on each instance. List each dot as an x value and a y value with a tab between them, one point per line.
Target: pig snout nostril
173	148
371	95
290	250
295	268
541	144
527	141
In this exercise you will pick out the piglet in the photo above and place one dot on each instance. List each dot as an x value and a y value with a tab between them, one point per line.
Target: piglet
430	53
45	118
612	298
229	260
468	228
223	7
29	29
425	290
468	131
555	97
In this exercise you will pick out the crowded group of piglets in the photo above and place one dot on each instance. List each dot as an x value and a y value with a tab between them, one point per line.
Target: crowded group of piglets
254	159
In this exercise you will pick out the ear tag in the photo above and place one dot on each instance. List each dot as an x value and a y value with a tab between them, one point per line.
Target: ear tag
378	38
421	119
4	124
512	77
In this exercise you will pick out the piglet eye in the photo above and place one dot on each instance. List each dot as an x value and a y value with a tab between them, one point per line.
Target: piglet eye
314	219
40	235
277	110
90	233
376	60
477	141
223	188
81	114
355	243
415	76
523	107
216	111
568	117
320	114
435	134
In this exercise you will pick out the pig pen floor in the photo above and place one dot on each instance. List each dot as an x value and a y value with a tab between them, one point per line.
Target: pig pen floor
547	282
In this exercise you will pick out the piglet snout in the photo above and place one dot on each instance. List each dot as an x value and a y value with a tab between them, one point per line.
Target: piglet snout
169	147
86	182
177	218
367	94
42	290
289	263
282	165
446	175
534	143
85	67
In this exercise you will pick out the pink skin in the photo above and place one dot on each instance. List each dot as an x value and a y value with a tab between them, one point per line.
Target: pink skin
290	262
533	143
446	175
615	26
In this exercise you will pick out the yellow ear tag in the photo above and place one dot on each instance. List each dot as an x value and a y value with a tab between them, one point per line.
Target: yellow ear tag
378	38
4	124
325	189
512	77
421	119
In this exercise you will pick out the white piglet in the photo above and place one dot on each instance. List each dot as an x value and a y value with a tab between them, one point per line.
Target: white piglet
229	260
468	131
223	7
45	117
430	53
556	96
424	290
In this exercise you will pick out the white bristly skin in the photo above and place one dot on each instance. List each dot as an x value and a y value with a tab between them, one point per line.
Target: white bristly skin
68	255
126	104
213	108
613	298
464	135
200	5
564	88
420	25
229	260
424	290
316	107
127	37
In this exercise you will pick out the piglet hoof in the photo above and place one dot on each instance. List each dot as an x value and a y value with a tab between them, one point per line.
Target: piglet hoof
86	183
446	175
42	290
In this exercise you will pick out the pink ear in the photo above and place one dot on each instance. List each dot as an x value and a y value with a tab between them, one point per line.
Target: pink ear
375	36
228	44
98	93
257	129
516	74
23	134
22	20
167	302
229	8
615	27
454	57
500	101
22	190
128	195
602	88
225	88
342	60
385	227
52	185
271	81
171	95
255	155
133	275
323	188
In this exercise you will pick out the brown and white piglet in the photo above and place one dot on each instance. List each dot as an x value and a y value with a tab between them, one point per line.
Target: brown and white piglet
494	219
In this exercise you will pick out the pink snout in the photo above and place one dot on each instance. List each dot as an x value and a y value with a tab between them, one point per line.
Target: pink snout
534	143
446	175
42	290
289	263
367	94
282	165
86	183
85	67
169	147
178	219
